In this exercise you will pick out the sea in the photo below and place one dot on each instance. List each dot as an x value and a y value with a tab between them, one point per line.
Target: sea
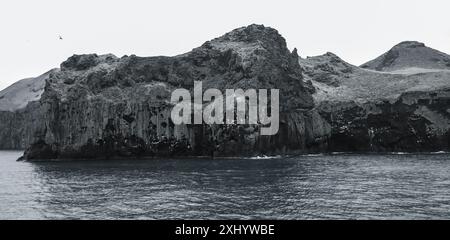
319	186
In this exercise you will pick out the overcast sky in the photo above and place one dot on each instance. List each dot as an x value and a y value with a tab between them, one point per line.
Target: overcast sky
356	30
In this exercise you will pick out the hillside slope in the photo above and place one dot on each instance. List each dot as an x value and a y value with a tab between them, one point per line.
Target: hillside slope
410	57
19	94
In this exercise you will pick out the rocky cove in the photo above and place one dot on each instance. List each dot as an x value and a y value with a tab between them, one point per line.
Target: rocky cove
102	106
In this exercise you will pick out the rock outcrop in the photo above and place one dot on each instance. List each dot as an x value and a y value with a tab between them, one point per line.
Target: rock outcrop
104	106
372	111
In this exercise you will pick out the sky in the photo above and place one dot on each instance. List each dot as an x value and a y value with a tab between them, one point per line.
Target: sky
355	30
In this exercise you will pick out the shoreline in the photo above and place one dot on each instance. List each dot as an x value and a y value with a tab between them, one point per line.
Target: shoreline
256	157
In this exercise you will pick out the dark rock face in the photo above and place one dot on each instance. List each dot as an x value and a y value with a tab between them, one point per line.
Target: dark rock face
18	129
103	106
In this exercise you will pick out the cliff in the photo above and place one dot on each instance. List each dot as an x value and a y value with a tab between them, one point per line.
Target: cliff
18	115
373	111
104	106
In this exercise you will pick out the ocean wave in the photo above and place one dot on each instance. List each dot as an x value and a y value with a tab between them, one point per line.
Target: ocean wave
266	157
440	152
399	153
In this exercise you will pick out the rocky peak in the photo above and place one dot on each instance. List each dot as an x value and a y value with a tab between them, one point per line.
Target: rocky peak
252	33
408	56
254	56
334	60
409	44
328	58
85	61
327	68
250	40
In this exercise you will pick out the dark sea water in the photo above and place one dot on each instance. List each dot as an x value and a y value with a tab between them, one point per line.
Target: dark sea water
305	187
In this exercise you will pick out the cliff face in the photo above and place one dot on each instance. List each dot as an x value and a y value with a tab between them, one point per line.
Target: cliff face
416	121
102	106
18	129
373	111
18	116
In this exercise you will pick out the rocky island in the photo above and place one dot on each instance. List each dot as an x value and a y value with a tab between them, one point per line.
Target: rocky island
102	106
